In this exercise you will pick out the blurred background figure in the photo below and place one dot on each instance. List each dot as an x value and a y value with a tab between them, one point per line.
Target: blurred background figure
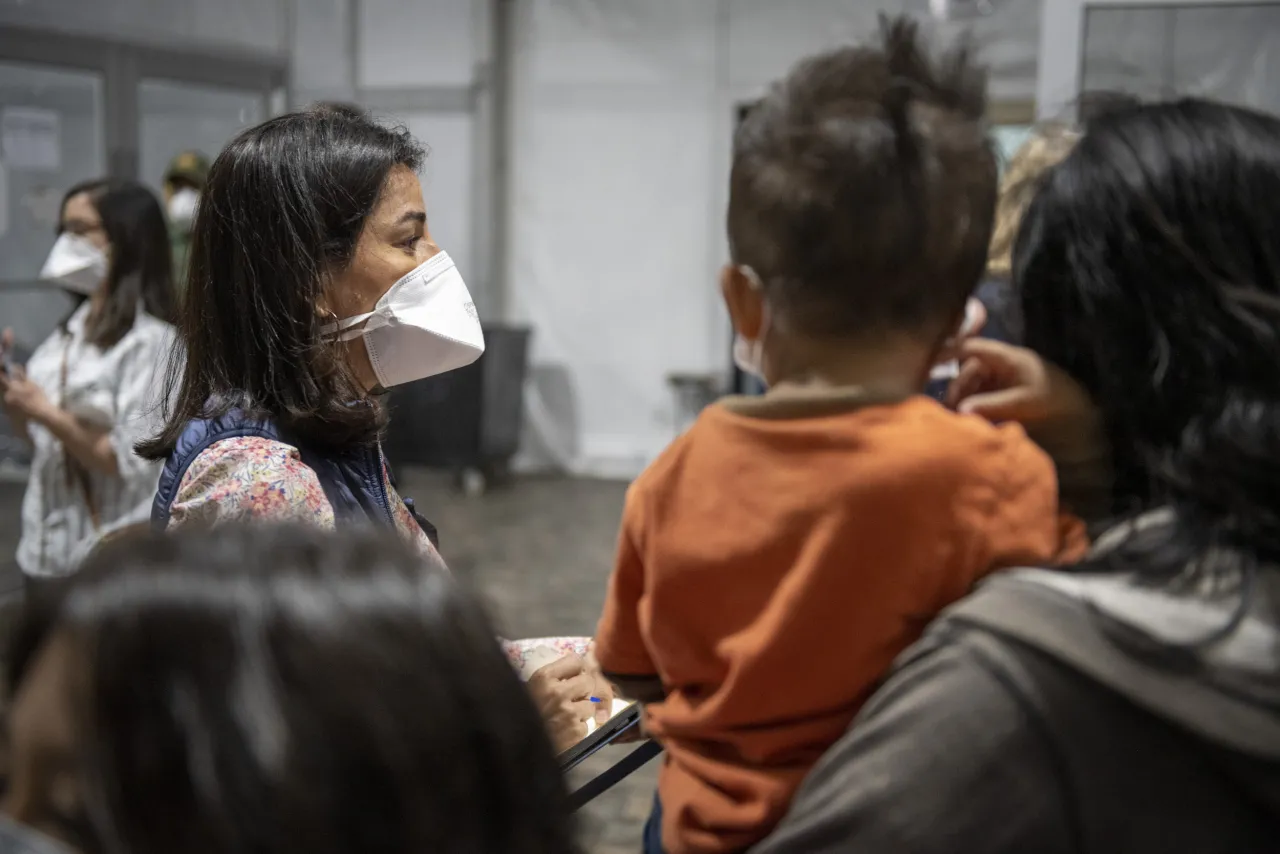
88	392
1047	146
183	184
275	691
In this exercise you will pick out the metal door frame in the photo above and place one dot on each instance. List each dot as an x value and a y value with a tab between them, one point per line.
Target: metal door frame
124	66
1062	22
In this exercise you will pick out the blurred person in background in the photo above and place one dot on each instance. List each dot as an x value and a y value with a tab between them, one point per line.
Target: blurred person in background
1131	704
990	312
183	184
87	394
315	286
274	690
1046	147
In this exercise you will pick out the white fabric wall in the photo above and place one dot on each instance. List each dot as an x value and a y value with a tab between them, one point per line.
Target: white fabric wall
622	126
1227	52
422	56
245	25
623	116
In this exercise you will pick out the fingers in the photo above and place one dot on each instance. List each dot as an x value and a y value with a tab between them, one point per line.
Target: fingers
583	710
990	350
604	693
998	381
969	381
1009	404
563	668
604	709
578	688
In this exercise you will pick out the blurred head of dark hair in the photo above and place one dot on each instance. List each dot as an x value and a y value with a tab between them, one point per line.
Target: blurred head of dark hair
863	187
285	690
1099	103
1148	267
281	212
140	272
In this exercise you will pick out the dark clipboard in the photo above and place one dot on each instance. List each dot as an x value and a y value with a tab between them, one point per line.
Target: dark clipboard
609	733
602	736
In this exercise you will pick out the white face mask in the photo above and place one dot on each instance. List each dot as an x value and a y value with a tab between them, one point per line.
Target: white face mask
75	264
950	369
424	326
182	207
748	355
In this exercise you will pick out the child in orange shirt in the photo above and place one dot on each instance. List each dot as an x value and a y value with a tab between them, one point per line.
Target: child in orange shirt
779	555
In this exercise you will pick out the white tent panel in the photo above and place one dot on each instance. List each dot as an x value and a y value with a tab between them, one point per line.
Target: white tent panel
411	43
239	25
612	138
1222	49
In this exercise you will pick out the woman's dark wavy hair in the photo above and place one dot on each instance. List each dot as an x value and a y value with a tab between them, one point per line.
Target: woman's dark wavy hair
1148	267
280	215
141	268
282	690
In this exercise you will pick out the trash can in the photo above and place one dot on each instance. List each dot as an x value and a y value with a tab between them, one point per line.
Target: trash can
692	393
469	420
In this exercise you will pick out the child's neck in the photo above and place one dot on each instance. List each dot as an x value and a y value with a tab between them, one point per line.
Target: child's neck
895	365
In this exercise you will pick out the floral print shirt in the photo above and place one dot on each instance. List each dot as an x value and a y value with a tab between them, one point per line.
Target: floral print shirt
250	478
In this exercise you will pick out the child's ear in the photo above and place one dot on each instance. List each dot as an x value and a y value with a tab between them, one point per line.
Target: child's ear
743	299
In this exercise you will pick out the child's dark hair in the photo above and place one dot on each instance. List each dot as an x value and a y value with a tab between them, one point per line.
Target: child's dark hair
864	185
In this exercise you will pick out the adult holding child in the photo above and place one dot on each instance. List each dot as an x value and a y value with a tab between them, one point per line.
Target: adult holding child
1133	704
314	285
828	520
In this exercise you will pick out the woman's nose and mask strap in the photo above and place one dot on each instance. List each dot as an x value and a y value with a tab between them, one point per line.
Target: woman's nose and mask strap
425	325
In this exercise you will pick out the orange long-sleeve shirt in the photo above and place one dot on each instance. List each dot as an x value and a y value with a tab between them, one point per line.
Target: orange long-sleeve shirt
775	560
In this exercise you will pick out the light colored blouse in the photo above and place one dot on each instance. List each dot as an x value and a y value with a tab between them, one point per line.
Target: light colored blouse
250	478
118	389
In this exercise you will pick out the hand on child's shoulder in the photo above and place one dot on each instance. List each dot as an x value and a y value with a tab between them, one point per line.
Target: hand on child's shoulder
1002	382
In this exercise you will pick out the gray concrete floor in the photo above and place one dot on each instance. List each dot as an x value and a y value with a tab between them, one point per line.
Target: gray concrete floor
540	552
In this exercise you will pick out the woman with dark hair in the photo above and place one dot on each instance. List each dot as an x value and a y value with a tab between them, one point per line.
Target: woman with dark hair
314	285
1132	704
86	395
274	690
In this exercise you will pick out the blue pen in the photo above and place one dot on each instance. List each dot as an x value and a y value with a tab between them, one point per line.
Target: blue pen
594	699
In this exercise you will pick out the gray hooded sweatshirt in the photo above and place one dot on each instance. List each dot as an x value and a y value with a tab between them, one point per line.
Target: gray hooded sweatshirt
1056	712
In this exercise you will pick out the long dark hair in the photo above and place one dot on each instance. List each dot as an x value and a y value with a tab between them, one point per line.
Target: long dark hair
281	690
282	210
141	268
1149	269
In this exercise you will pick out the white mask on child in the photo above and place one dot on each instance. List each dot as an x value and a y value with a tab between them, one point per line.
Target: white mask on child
748	354
950	369
425	325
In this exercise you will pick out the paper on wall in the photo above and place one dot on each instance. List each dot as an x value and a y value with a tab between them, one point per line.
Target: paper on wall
31	139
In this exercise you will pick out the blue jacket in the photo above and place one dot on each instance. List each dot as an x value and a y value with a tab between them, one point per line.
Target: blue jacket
353	481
